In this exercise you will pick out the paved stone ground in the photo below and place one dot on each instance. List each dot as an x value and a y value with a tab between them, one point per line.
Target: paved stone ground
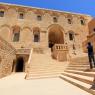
15	84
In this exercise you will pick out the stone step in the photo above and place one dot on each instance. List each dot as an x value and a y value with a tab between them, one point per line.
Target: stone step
90	74
80	69
47	65
76	63
85	79
80	84
50	66
80	61
79	66
44	65
45	69
41	71
45	75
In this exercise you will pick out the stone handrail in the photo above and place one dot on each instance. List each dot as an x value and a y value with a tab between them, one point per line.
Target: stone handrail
28	63
30	56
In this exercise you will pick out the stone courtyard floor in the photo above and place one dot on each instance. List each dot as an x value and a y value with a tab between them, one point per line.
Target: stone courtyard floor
15	84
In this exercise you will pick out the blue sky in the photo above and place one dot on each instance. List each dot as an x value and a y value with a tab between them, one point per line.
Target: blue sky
77	6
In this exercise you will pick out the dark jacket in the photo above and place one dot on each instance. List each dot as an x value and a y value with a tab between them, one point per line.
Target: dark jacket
90	49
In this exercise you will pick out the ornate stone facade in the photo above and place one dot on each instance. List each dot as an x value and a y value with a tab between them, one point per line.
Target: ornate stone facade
26	28
29	23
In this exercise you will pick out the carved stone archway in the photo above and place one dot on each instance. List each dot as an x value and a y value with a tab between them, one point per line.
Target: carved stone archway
55	35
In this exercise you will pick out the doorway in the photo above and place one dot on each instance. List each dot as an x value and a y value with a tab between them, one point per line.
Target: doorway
55	35
20	65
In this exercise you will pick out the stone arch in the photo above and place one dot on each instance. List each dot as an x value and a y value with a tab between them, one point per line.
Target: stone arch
26	34
28	14
5	32
16	27
55	34
21	9
36	33
2	12
11	12
26	27
3	7
5	25
36	29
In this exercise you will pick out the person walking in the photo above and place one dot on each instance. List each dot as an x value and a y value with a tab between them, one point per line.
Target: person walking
91	55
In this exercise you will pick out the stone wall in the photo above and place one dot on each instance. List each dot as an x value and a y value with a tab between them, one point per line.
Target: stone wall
7	55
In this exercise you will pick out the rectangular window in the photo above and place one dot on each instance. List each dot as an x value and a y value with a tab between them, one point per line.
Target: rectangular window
39	18
69	21
21	16
71	37
82	22
1	13
16	37
36	38
55	19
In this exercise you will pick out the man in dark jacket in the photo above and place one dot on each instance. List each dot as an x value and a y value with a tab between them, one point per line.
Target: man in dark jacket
91	55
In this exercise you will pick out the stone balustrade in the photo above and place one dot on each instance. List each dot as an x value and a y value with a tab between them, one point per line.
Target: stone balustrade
60	52
60	47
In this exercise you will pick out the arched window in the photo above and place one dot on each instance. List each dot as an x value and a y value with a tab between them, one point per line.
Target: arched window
36	33
16	33
71	36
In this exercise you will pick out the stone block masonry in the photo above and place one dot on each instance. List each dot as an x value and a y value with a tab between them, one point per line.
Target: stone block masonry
7	55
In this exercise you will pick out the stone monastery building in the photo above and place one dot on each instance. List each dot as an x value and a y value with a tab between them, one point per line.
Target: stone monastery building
35	38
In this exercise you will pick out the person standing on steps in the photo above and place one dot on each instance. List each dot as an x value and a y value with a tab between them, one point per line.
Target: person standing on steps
91	55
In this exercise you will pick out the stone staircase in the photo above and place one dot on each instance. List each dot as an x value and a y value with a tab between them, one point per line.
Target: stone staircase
42	66
79	74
